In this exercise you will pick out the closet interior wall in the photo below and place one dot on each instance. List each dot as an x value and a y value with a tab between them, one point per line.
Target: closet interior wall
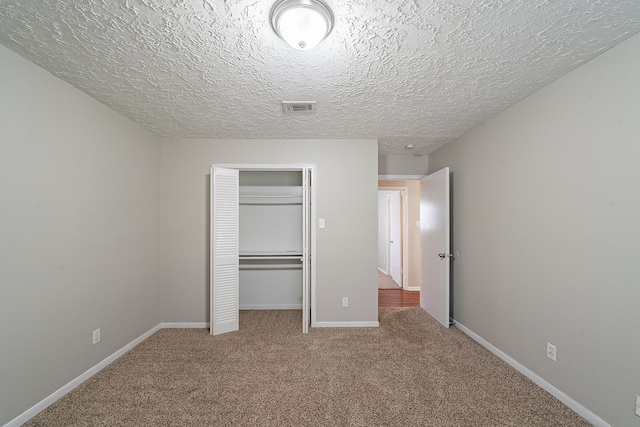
270	240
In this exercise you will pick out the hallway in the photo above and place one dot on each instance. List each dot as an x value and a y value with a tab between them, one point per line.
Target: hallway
398	298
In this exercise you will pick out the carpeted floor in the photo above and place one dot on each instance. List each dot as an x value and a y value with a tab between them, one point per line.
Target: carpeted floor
386	282
408	372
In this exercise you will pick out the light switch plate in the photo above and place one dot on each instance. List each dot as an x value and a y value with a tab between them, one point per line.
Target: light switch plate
321	223
638	405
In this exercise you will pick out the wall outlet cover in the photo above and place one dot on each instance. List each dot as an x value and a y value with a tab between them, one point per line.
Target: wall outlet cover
551	351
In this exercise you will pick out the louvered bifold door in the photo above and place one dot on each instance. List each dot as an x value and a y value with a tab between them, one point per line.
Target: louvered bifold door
224	250
306	249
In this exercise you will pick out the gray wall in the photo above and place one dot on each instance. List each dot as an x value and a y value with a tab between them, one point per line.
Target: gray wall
79	233
546	200
346	189
402	164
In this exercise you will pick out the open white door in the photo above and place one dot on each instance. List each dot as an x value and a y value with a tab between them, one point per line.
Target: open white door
395	237
225	315
435	245
306	245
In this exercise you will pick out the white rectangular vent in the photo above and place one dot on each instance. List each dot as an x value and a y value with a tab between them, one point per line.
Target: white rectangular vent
299	106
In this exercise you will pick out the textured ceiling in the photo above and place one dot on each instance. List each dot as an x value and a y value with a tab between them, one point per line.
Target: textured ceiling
419	72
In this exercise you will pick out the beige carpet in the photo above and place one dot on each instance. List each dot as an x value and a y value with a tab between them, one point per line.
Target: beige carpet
408	372
386	282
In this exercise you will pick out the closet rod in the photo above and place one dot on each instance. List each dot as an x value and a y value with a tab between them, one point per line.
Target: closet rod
251	196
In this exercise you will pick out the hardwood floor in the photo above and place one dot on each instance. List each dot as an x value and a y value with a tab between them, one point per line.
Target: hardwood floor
398	298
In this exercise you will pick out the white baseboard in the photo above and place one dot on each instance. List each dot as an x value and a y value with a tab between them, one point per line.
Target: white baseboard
184	325
43	404
413	288
558	394
383	271
346	324
270	306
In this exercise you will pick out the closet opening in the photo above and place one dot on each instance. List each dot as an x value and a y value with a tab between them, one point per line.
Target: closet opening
262	242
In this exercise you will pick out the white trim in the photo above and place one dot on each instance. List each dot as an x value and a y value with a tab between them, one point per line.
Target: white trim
399	177
555	392
313	188
59	393
184	325
382	271
413	288
346	324
266	167
270	306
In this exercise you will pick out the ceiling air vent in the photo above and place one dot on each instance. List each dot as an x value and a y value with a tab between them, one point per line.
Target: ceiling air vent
299	106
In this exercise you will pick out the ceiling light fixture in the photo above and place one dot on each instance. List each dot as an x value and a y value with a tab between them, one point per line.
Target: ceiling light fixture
302	23
409	146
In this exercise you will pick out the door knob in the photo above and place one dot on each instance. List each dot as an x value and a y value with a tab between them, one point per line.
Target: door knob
442	255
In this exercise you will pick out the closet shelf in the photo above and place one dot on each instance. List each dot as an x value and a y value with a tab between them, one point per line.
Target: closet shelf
270	195
270	255
270	200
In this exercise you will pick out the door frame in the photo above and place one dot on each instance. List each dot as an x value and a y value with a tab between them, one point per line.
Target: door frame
404	229
313	186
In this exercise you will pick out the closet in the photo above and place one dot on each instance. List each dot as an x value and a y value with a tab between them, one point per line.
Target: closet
260	241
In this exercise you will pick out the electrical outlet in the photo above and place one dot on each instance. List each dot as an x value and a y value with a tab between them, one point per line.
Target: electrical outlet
96	336
551	351
345	302
638	405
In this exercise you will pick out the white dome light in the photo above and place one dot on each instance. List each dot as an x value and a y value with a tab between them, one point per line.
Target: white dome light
302	23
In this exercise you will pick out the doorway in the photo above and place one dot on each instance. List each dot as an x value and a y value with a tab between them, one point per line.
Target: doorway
409	192
261	229
391	238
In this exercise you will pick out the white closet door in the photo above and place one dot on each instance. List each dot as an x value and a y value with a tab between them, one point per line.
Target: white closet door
306	245
224	251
